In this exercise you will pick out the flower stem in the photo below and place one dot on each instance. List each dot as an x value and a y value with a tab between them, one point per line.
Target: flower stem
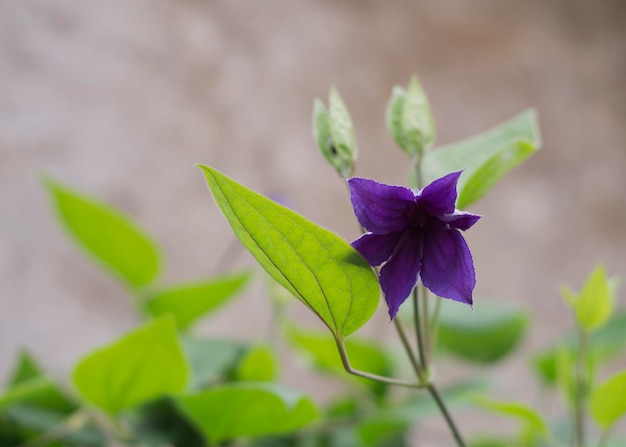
418	331
391	381
408	349
444	411
426	327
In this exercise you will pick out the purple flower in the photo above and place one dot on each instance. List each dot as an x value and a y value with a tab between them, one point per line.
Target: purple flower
416	234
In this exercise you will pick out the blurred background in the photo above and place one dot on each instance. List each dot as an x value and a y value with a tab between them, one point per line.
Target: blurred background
120	98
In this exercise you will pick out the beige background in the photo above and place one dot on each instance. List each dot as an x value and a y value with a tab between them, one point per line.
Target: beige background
120	98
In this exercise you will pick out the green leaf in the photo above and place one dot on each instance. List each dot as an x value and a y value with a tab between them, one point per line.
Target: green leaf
259	364
608	400
211	360
188	302
315	265
484	335
108	235
530	418
341	129
418	126
26	369
485	158
36	392
247	409
321	350
142	365
594	305
394	116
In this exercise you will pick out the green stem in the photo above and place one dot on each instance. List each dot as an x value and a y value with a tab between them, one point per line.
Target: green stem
444	411
581	389
409	350
426	327
418	331
434	327
389	380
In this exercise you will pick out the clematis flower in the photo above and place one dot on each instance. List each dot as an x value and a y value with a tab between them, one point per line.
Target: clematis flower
415	234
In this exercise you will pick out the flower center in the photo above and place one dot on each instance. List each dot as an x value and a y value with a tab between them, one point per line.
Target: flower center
417	217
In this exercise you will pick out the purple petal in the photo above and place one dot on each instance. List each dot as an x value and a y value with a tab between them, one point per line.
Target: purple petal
377	248
380	208
440	196
399	275
447	265
460	219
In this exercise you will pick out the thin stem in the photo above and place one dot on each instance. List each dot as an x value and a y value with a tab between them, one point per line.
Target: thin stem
407	347
444	410
426	327
391	381
434	327
418	330
581	388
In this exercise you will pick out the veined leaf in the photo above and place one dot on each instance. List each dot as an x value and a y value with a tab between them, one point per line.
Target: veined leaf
188	302
485	158
315	265
142	365
107	234
247	409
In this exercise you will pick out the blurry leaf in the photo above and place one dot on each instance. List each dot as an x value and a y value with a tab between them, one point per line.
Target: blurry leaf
259	364
490	442
247	409
211	360
394	116
484	335
341	129
142	365
418	127
604	344
26	369
107	234
565	374
321	349
594	305
188	302
530	418
38	392
608	400
315	265
485	158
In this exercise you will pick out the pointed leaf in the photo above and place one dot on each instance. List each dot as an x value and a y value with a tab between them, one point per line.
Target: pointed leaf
522	412
485	158
26	369
142	365
247	409
594	304
418	126
107	234
608	400
484	335
315	265
188	302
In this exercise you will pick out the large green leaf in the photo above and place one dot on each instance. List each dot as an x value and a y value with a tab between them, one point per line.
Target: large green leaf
321	349
107	234
188	302
142	365
212	360
485	158
315	265
483	335
247	409
608	400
